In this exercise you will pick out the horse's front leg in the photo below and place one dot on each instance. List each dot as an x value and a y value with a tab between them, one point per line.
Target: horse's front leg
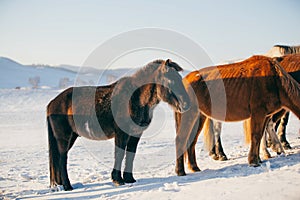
258	123
276	145
120	146
184	125
218	146
130	154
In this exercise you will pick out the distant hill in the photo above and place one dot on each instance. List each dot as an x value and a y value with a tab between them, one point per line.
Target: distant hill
16	75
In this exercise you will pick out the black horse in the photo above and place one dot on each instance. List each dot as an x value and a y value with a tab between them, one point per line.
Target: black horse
122	110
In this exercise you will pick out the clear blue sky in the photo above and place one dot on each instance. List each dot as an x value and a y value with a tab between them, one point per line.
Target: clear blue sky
67	31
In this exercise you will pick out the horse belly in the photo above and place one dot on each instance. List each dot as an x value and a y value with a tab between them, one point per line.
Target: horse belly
89	127
237	107
229	114
218	99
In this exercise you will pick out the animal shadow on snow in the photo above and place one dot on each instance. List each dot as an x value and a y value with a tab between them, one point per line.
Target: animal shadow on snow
146	184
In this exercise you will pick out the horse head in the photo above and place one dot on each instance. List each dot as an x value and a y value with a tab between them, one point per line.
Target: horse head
171	88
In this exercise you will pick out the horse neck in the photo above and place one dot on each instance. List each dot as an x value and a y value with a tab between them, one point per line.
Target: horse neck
147	95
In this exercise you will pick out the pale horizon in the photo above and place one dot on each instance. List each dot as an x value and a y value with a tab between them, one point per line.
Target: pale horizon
67	32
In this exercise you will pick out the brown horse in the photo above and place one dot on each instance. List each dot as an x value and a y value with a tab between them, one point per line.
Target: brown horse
122	110
255	88
291	64
212	133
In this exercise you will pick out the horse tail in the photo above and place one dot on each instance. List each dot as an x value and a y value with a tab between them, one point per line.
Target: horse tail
54	156
291	90
209	136
247	131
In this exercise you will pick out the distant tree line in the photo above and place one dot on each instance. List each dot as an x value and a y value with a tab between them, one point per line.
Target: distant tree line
62	84
34	81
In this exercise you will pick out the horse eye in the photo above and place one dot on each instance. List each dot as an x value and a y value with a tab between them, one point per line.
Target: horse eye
170	82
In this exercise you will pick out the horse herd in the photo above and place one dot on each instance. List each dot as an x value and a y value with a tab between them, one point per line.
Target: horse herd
259	90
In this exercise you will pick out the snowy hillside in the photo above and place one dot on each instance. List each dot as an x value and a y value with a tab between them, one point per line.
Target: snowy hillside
16	75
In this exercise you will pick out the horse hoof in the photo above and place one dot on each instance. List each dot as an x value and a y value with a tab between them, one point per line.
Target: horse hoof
194	169
267	157
214	156
222	158
117	178
68	187
181	173
279	153
286	146
128	178
118	182
254	164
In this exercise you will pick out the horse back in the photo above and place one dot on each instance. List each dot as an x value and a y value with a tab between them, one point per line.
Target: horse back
230	92
84	110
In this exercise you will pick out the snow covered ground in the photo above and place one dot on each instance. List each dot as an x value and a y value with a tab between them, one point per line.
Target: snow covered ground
24	161
24	170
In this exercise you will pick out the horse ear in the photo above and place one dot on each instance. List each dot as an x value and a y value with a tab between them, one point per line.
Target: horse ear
166	65
170	63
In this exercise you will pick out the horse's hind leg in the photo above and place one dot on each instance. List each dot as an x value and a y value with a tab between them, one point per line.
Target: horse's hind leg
130	154
276	145
281	128
263	147
212	140
63	139
218	145
63	150
54	157
210	137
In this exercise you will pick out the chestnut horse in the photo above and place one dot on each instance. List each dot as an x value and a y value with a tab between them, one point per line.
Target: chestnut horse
291	64
254	89
122	110
212	133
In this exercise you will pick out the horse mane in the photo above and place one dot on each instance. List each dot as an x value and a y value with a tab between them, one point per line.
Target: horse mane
285	49
291	62
150	68
290	85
